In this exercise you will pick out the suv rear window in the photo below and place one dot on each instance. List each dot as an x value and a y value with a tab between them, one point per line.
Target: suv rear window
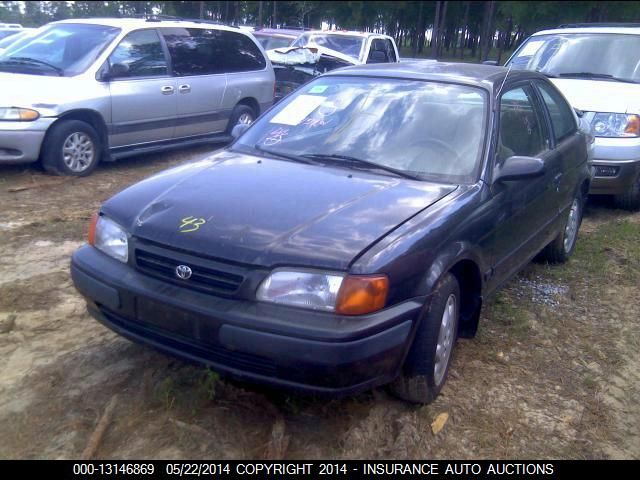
199	51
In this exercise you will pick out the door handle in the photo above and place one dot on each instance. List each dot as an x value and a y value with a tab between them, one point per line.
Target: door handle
167	90
184	88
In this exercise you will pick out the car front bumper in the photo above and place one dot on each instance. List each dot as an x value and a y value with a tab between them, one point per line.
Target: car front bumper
617	165
20	142
310	351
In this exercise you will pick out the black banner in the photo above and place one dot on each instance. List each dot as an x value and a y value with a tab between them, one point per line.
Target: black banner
369	469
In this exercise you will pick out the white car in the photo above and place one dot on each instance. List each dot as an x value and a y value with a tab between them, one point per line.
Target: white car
597	68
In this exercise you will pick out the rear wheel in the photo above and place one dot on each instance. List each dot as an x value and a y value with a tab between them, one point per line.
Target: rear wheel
241	114
72	148
427	365
561	248
629	200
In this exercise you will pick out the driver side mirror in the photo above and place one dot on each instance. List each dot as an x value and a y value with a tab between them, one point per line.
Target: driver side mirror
239	129
519	168
116	70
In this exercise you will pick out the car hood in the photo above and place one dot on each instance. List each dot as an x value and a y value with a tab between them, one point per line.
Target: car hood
600	96
46	93
269	212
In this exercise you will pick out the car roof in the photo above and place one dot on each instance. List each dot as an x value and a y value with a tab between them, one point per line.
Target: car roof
474	74
347	33
129	24
278	31
619	30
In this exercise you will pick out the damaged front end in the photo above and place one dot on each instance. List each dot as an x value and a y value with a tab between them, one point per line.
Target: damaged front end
297	65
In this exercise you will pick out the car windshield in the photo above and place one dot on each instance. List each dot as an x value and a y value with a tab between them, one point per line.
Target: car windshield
8	33
345	44
270	42
62	49
582	55
429	130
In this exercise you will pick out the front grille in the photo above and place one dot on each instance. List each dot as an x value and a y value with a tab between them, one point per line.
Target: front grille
203	352
606	171
207	275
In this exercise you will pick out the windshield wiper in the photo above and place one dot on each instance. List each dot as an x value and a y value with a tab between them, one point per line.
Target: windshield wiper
595	75
288	156
361	162
23	60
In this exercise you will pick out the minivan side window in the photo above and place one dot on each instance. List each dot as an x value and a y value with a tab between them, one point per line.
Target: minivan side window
521	130
562	118
142	55
240	53
199	51
194	51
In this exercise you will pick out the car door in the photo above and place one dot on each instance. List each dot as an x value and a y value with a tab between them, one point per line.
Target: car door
570	149
522	208
143	94
201	80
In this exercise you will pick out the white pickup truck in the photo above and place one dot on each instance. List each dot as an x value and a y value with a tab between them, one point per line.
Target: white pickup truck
317	52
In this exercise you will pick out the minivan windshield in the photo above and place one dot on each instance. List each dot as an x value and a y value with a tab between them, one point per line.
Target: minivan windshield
425	130
602	56
345	44
63	49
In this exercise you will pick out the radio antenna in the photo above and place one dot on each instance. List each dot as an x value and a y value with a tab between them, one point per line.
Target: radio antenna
504	80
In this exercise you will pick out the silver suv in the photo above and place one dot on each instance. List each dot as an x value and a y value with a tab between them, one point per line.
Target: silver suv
82	91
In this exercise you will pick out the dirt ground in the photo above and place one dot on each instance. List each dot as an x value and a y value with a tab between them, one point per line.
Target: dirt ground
553	373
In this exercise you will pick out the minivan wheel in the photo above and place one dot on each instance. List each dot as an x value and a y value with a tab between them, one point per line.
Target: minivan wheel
561	248
629	200
241	114
427	365
72	148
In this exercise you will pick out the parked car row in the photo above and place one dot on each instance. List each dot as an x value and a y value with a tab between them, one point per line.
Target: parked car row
352	231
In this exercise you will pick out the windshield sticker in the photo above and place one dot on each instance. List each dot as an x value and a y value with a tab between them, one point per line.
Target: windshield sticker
275	136
530	48
318	89
297	110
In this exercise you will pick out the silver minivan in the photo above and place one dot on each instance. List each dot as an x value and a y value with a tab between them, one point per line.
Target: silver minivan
83	91
597	68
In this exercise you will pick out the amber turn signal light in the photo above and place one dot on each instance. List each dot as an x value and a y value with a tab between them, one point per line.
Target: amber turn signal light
91	237
633	125
360	294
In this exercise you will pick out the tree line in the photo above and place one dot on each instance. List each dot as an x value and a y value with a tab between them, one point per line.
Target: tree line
437	29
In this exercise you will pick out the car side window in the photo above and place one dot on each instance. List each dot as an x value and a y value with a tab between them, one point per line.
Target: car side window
240	54
562	119
141	54
521	130
390	51
194	51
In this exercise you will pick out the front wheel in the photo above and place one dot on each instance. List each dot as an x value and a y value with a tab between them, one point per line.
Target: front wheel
629	200
427	364
72	148
561	248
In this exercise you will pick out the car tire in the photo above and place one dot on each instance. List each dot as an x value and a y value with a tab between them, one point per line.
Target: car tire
561	248
71	147
241	114
629	200
426	367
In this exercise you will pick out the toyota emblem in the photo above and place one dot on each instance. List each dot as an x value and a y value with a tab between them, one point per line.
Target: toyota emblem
183	272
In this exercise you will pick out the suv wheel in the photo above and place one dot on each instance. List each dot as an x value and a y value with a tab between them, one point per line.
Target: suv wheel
72	148
561	248
241	114
629	200
427	364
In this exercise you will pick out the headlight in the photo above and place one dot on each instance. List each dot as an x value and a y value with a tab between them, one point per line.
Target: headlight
614	124
331	292
109	237
18	114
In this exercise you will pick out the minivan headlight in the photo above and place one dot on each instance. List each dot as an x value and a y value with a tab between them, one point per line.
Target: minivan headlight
326	291
109	237
13	114
614	124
